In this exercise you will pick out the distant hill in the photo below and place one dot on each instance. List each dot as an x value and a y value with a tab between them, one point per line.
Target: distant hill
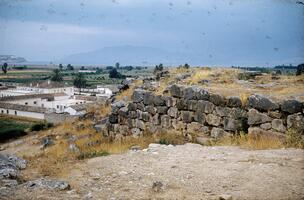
126	55
11	59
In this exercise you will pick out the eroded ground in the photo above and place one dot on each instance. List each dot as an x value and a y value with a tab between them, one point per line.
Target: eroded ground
188	171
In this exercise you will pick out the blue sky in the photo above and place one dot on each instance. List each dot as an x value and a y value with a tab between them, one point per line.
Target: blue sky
221	32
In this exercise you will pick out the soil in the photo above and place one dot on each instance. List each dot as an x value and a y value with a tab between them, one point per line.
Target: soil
189	171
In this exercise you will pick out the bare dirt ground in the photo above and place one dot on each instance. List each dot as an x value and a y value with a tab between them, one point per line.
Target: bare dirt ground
189	171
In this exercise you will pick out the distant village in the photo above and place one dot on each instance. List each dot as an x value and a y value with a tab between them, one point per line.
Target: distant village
49	100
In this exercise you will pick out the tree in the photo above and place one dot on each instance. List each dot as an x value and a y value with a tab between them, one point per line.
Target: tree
186	66
4	68
158	68
79	81
60	67
115	74
57	76
82	68
300	69
70	67
117	65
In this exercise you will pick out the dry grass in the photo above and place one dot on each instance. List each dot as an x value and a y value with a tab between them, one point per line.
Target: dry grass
293	140
242	140
128	93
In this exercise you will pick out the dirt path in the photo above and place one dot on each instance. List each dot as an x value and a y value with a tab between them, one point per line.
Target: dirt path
186	172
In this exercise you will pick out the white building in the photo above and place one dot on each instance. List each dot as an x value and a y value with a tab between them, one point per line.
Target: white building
100	91
26	105
45	87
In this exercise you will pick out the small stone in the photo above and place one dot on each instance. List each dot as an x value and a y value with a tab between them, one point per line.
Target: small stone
157	186
225	197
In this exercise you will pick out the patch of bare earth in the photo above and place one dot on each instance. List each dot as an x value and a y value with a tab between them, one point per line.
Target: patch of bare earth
187	171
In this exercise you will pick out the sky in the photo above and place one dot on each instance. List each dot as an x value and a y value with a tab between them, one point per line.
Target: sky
220	32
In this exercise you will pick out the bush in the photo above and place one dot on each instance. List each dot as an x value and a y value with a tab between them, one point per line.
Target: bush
10	129
41	126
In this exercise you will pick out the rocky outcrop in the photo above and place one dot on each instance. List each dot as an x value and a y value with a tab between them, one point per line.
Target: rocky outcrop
194	110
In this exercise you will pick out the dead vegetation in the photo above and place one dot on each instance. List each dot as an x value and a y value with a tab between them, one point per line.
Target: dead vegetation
128	93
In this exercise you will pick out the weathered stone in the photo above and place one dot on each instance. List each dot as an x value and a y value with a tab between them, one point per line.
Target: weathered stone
232	124
205	106
123	112
124	130
48	184
192	105
159	101
136	132
200	117
275	114
256	133
141	106
122	120
181	104
213	120
202	95
296	122
162	109
277	124
113	118
190	93
148	98
234	102
46	141
238	113
217	99
152	129
151	109
155	120
194	127
255	117
178	125
157	186
262	103
131	123
145	116
133	114
176	90
292	106
266	126
170	101
218	133
132	106
140	124
173	112
222	111
138	95
165	121
139	114
117	105
187	116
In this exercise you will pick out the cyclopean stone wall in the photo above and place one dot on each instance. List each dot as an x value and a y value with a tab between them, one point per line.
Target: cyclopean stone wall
193	110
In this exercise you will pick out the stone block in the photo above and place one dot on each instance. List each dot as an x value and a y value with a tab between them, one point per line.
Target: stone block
234	102
218	133
217	99
159	101
262	103
266	126
292	106
187	116
213	120
192	105
222	111
205	106
138	95
165	121
296	122
176	90
255	117
162	109
151	109
173	112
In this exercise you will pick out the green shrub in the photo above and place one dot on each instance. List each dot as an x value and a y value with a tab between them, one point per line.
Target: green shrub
41	126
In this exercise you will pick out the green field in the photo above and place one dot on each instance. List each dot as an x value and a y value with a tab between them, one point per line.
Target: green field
101	77
12	129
